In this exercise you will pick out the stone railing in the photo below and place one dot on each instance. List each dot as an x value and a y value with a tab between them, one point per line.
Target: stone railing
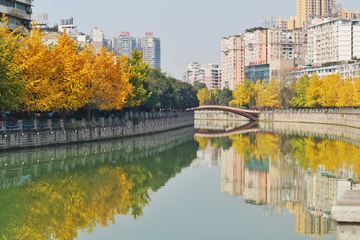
59	132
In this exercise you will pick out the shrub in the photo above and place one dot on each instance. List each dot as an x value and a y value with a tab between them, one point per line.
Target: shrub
136	120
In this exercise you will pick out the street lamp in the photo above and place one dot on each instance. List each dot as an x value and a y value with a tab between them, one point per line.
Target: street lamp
35	100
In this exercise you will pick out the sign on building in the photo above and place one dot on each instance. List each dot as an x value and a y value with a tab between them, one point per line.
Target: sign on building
67	21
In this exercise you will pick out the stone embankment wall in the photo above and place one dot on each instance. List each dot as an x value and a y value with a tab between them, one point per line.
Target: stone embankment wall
337	132
219	115
32	138
344	119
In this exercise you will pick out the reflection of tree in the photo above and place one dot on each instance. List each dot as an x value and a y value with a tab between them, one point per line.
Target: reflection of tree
56	207
92	191
311	152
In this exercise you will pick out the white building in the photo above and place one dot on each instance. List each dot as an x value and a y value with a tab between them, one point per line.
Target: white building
149	45
210	75
333	40
97	37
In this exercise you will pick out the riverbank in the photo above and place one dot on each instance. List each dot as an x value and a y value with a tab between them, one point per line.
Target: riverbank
44	137
308	116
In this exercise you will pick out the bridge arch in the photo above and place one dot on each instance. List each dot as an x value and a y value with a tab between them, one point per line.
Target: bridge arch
250	114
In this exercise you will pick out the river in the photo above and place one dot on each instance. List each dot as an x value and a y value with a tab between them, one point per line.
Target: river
212	183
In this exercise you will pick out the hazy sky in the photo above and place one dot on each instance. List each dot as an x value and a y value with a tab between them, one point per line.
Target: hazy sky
190	30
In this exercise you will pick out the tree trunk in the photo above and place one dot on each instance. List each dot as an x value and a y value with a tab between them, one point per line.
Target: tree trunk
88	112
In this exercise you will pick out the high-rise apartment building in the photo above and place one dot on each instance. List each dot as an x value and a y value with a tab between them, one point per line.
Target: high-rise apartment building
306	9
232	61
210	75
97	37
344	13
262	46
18	13
149	45
333	40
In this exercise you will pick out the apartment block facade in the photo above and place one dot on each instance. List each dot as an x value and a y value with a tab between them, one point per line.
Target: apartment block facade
232	61
18	13
333	40
209	74
149	45
263	46
306	9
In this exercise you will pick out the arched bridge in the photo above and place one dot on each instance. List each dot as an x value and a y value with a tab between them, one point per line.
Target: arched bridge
250	114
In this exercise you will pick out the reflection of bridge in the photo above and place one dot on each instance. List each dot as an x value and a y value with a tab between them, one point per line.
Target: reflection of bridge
243	129
250	114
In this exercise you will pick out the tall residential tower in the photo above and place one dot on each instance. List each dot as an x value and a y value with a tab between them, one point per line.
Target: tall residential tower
232	61
306	9
149	45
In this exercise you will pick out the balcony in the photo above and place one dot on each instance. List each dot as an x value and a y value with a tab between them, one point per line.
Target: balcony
15	12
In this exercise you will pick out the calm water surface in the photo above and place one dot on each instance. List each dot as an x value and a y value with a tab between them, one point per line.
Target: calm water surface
178	185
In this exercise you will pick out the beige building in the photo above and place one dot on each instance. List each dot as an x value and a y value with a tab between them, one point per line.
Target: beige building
344	13
232	61
262	46
306	9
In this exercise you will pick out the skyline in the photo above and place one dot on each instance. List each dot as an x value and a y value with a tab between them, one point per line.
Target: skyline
189	31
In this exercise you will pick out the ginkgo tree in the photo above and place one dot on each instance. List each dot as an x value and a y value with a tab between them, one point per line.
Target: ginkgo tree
12	88
203	95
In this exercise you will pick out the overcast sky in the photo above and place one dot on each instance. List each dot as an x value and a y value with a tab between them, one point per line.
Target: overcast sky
190	30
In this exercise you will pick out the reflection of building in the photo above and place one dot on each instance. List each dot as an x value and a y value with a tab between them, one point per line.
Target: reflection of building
232	172
281	184
207	157
309	224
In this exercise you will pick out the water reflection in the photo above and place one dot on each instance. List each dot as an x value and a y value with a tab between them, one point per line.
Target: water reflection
305	175
46	199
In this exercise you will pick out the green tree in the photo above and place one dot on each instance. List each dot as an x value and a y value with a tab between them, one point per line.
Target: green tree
140	71
225	96
199	85
301	86
11	86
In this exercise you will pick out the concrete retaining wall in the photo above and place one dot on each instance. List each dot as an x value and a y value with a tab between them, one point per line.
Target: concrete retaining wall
343	133
219	115
345	119
31	138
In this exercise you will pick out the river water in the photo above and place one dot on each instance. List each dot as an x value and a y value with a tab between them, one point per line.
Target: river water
207	184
